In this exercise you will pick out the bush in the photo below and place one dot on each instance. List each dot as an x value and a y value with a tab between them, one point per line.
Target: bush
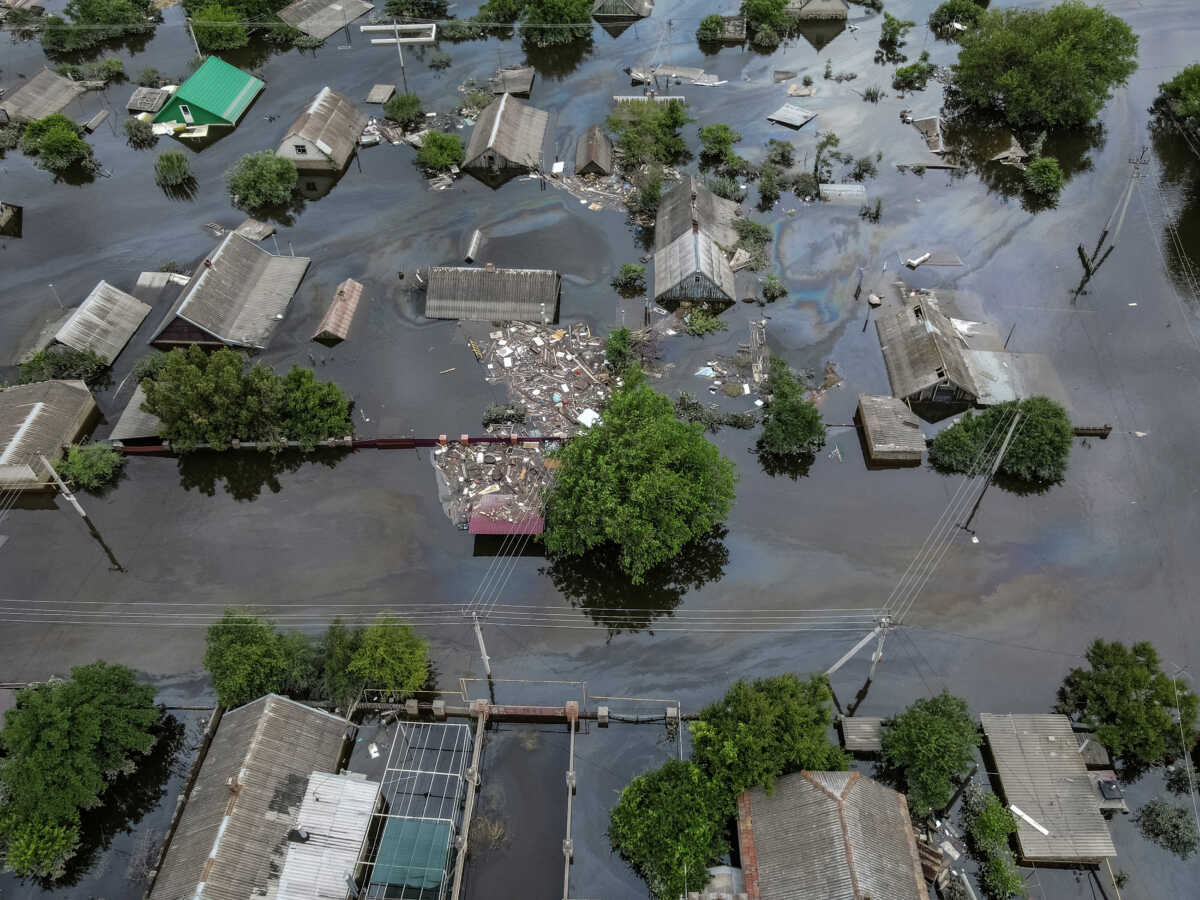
150	77
439	151
1037	454
701	322
766	38
647	193
261	180
91	467
764	14
929	744
792	425
618	351
631	278
724	186
391	658
716	142
1001	879
872	95
753	238
111	68
780	153
1180	97
172	169
893	30
773	288
649	132
219	27
965	12
64	362
864	168
89	23
1171	827
56	142
768	186
140	133
404	109
688	408
1044	177
914	76
712	29
988	822
439	60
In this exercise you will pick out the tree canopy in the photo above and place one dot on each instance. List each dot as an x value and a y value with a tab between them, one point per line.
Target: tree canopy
965	12
65	362
248	658
219	27
649	132
63	743
763	729
792	425
390	657
261	180
1131	703
1171	827
56	143
1037	454
545	22
1180	98
440	150
640	479
404	109
91	467
1051	68
927	745
87	23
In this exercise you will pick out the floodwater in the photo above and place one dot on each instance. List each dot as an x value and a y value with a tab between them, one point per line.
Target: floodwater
1106	553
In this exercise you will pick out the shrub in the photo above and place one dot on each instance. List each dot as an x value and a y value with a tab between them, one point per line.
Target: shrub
56	142
150	77
988	822
111	68
261	180
780	153
631	278
712	28
807	80
618	350
219	27
88	23
688	408
172	169
1001	878
390	657
91	466
864	168
1171	827
10	136
648	133
1044	177
872	94
1180	97
64	362
792	425
247	658
724	186
716	142
439	151
766	37
1038	452
439	60
893	30
701	322
764	14
647	193
773	288
914	76
404	109
768	186
965	12
140	133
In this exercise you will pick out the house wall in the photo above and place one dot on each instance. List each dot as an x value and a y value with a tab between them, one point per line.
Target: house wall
695	287
181	333
591	167
170	113
311	160
942	392
820	9
493	161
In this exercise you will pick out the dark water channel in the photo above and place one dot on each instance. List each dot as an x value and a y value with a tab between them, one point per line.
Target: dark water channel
1107	552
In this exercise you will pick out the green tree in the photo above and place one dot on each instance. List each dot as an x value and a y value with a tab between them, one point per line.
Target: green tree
1038	452
56	142
312	410
338	648
1044	177
928	745
404	109
763	729
439	151
140	133
88	23
649	132
390	657
640	479
701	322
893	30
792	424
172	169
1050	68
65	362
647	192
780	153
773	289
669	825
1171	827
914	76
618	351
219	27
631	279
1136	710
1000	878
769	186
261	180
549	22
766	14
1179	98
91	466
247	658
766	37
964	12
712	28
987	820
716	142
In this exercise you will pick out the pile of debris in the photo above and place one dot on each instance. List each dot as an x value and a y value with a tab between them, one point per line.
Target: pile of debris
493	484
610	192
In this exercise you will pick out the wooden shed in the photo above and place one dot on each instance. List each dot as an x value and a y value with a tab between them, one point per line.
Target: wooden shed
335	327
508	134
594	153
891	431
325	135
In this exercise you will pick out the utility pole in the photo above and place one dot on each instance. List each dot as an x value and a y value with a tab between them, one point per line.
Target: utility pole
195	43
487	663
70	498
995	466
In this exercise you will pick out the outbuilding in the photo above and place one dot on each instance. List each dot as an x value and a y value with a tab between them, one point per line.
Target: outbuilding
509	134
594	153
891	431
216	94
817	9
325	135
45	94
492	294
104	322
40	420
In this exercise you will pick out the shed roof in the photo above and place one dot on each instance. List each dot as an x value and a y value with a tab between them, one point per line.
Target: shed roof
239	293
595	148
321	18
39	418
335	813
828	836
222	89
691	204
135	423
792	115
818	9
513	80
863	734
147	99
336	323
919	340
232	834
515	130
691	253
892	429
622	9
492	294
104	322
44	94
332	122
1043	774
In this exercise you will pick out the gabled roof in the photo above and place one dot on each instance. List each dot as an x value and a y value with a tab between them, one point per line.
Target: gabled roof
222	89
135	423
689	203
892	430
513	129
39	418
232	834
492	294
104	322
622	9
239	293
595	148
691	253
332	123
321	18
828	836
335	326
335	814
44	94
919	340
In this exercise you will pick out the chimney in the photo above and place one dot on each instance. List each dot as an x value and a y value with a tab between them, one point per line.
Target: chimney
489	267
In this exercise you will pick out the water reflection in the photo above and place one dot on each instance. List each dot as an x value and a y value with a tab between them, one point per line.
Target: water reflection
1179	169
595	583
560	60
244	473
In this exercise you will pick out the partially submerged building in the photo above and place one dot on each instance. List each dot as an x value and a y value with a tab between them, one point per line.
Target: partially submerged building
321	18
104	322
690	206
45	94
828	836
924	355
891	431
135	424
232	838
508	134
325	135
594	153
40	420
1045	781
621	10
691	230
236	297
335	326
216	94
322	851
516	80
491	294
817	9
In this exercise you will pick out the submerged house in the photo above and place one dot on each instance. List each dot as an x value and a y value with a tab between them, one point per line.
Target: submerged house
492	294
44	94
692	226
594	153
891	431
216	94
325	135
817	9
104	322
508	135
690	205
926	359
36	420
321	18
621	10
236	298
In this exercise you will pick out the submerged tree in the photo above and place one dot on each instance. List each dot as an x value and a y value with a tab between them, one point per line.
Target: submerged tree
1037	453
56	143
792	424
88	23
1171	827
404	109
439	151
261	180
390	657
928	745
649	132
61	361
248	658
91	467
219	27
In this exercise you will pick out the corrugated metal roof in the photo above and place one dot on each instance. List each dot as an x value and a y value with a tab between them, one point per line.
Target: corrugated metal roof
44	94
232	834
622	9
104	322
594	151
43	417
918	342
862	734
892	430
321	18
1043	774
690	203
690	254
513	80
239	293
135	423
336	324
514	130
830	836
331	121
335	813
222	89
492	294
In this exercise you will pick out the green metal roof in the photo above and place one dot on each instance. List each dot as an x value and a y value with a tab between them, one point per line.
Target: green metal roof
220	88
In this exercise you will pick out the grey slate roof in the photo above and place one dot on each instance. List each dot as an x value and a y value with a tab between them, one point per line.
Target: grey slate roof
677	212
135	423
104	322
232	835
331	120
513	80
515	130
492	294
892	430
321	18
690	254
622	9
917	340
1043	774
829	836
594	150
44	94
238	292
38	418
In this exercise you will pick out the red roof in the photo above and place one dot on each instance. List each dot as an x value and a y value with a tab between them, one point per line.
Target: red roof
482	523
